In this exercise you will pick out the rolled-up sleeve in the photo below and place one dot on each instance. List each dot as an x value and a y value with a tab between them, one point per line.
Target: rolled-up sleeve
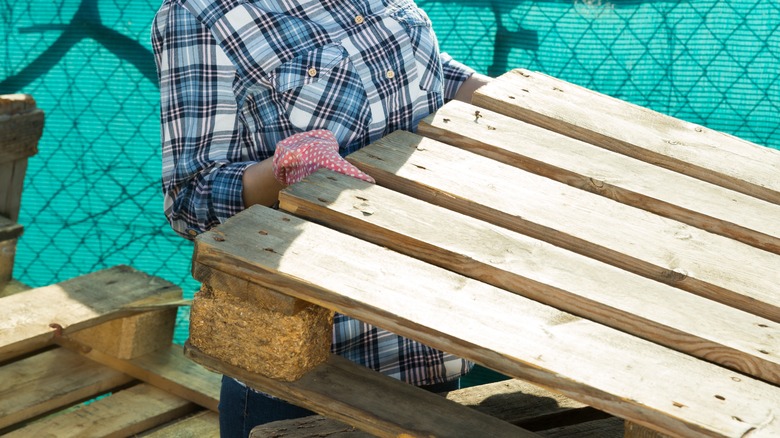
202	160
455	74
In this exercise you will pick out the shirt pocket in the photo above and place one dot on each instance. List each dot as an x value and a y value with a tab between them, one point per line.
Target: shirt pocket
424	43
320	89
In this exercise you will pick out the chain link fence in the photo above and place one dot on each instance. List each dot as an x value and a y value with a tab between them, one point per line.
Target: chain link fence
92	194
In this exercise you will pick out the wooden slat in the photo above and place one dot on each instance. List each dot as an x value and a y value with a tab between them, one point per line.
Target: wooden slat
372	401
635	131
650	245
166	369
124	413
602	367
317	426
541	271
204	424
29	321
51	380
616	176
513	400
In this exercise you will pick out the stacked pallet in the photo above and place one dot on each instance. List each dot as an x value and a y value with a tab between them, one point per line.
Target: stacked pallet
92	356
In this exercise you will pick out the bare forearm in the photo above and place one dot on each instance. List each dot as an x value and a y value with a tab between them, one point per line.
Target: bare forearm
260	185
471	84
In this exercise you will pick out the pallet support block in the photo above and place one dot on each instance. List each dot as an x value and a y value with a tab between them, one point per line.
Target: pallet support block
131	336
278	345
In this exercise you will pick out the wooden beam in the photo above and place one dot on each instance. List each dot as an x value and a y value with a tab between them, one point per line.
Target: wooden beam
540	271
371	401
33	319
635	131
131	336
653	246
642	381
125	413
615	176
51	380
166	369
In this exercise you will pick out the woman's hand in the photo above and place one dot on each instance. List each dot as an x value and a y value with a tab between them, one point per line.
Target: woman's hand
300	155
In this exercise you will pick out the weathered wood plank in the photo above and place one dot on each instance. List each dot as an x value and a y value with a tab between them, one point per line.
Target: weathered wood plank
204	424
371	401
540	271
124	413
85	301
616	176
166	369
21	126
635	131
513	401
642	381
706	264
51	380
317	426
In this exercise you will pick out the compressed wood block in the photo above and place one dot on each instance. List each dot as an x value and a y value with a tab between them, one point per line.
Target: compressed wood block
271	344
132	336
256	294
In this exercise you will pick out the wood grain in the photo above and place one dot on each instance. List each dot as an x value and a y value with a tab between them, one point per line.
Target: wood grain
31	320
641	242
635	131
540	271
624	179
596	365
373	402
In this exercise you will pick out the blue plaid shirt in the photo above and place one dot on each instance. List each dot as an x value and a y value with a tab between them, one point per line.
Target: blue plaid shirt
238	76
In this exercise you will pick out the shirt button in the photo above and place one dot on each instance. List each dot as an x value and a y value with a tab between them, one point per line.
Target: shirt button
389	74
359	19
312	72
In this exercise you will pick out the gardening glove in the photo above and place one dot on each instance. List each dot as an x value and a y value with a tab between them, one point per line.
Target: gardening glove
299	155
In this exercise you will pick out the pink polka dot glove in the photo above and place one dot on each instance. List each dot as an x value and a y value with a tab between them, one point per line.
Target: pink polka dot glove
299	155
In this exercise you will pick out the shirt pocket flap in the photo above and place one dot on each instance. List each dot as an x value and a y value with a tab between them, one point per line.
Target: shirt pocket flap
307	68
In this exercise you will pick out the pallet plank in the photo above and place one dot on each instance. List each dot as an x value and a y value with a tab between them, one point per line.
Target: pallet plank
371	401
616	176
642	381
204	424
540	271
85	301
124	413
635	131
650	245
166	368
51	380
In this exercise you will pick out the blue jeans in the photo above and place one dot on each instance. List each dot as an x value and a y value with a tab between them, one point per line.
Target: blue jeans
241	409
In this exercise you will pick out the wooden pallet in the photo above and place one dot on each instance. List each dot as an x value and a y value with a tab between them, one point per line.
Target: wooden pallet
93	356
622	258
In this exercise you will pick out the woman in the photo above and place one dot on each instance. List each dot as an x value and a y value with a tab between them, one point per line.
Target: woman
257	94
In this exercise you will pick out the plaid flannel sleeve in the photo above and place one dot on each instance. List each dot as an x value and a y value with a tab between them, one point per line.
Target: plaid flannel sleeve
455	73
202	162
